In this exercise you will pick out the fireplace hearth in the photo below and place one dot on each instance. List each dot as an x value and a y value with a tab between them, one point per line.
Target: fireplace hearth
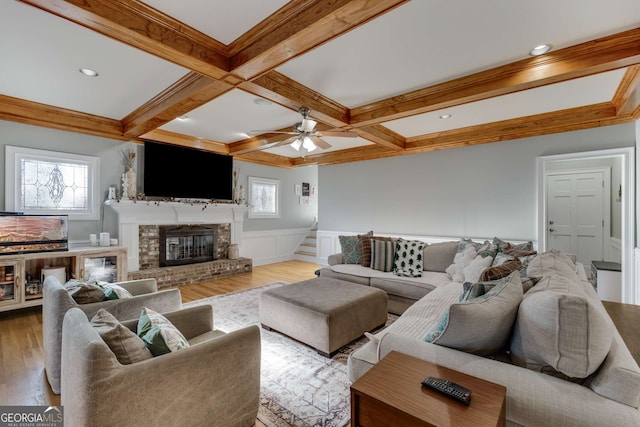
186	244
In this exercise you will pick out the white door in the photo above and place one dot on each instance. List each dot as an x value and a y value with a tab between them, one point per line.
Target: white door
576	215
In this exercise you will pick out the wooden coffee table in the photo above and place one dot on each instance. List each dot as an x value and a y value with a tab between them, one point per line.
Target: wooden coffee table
390	394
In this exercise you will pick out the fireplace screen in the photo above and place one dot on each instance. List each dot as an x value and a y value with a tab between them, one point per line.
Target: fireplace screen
186	245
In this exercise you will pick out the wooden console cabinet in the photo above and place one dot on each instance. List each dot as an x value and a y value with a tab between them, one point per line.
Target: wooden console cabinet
21	274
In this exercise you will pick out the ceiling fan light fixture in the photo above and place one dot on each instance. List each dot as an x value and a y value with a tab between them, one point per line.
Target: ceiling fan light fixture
540	49
296	144
308	144
308	125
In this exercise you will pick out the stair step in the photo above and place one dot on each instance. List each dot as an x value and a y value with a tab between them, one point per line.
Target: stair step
307	253
308	245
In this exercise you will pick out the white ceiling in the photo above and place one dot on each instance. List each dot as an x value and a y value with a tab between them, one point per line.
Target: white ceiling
418	44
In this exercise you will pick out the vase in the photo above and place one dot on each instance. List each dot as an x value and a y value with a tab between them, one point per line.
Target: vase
233	251
129	184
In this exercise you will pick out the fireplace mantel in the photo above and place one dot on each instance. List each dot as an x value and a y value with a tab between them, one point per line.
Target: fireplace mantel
123	217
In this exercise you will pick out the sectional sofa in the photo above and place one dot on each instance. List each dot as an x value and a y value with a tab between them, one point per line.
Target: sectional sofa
540	331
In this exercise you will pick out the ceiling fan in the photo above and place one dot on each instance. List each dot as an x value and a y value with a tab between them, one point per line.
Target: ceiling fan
306	135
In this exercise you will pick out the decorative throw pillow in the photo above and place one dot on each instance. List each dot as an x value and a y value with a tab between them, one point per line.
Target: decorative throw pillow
501	270
351	248
84	292
465	254
408	258
480	325
112	291
365	247
158	334
559	327
382	254
503	245
474	269
124	343
439	256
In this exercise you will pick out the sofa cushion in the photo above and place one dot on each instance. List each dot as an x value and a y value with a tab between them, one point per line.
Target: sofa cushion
550	263
505	246
159	334
480	325
438	256
124	343
559	327
84	292
350	245
472	271
382	254
618	378
408	258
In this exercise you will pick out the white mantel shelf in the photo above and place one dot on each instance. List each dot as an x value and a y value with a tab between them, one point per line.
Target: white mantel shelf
129	215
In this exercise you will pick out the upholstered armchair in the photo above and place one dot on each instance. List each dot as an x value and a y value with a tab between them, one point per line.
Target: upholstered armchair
57	301
213	382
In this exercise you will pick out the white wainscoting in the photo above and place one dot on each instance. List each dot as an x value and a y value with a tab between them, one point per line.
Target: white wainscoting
267	247
615	249
328	242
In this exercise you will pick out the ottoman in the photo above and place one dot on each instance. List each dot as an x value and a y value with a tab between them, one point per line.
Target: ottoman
323	313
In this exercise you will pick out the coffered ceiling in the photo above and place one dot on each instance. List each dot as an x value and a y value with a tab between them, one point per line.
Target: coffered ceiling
205	73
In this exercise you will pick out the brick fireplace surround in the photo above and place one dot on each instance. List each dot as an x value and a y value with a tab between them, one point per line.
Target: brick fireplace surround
136	225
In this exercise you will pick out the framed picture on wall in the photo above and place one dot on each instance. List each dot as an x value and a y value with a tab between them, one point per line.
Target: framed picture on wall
305	188
297	189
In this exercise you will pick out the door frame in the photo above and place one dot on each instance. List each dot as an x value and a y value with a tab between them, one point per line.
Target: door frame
627	156
606	196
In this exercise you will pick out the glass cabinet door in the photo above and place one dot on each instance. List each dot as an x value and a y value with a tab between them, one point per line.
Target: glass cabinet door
103	268
10	283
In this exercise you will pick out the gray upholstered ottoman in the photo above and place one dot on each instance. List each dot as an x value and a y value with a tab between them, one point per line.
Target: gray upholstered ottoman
324	313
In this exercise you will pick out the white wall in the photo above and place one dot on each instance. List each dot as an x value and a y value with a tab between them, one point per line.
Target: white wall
478	191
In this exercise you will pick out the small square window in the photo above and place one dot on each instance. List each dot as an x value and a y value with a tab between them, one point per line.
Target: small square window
264	196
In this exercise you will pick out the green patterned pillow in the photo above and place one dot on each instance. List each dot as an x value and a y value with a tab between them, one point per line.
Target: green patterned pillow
408	259
158	334
350	245
112	291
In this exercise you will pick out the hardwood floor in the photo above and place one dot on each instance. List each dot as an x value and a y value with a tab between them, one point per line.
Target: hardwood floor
22	377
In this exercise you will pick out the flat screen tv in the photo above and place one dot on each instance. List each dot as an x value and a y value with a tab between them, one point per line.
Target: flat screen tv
186	173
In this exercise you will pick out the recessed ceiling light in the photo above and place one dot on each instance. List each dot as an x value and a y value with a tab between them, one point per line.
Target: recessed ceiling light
261	101
445	116
540	49
183	118
88	72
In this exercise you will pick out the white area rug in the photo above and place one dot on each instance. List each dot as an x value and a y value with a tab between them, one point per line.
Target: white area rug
299	387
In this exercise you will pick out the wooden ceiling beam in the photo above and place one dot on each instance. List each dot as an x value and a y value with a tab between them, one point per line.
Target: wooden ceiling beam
162	135
33	113
627	97
136	24
593	57
382	136
297	28
188	93
267	159
282	90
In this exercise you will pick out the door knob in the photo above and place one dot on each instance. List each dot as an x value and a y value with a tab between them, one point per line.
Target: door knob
551	230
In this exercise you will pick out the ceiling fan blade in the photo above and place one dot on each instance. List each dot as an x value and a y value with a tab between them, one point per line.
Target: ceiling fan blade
284	142
343	134
259	132
320	142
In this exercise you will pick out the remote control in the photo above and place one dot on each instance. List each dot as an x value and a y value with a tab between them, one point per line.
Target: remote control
446	387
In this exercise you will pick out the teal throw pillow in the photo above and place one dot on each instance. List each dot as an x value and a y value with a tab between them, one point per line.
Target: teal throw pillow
158	334
112	291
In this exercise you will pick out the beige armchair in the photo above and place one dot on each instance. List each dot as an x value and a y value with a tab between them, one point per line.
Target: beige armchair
56	302
214	382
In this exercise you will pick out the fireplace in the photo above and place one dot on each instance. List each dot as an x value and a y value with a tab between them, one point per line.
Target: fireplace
186	244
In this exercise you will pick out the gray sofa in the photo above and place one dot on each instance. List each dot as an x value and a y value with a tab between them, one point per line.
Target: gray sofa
402	291
57	301
213	382
559	355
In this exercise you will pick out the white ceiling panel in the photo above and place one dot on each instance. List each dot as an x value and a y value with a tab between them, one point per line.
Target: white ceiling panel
223	20
423	43
560	96
41	55
231	117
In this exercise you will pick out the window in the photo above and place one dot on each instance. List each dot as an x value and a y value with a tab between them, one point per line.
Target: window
41	182
264	196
